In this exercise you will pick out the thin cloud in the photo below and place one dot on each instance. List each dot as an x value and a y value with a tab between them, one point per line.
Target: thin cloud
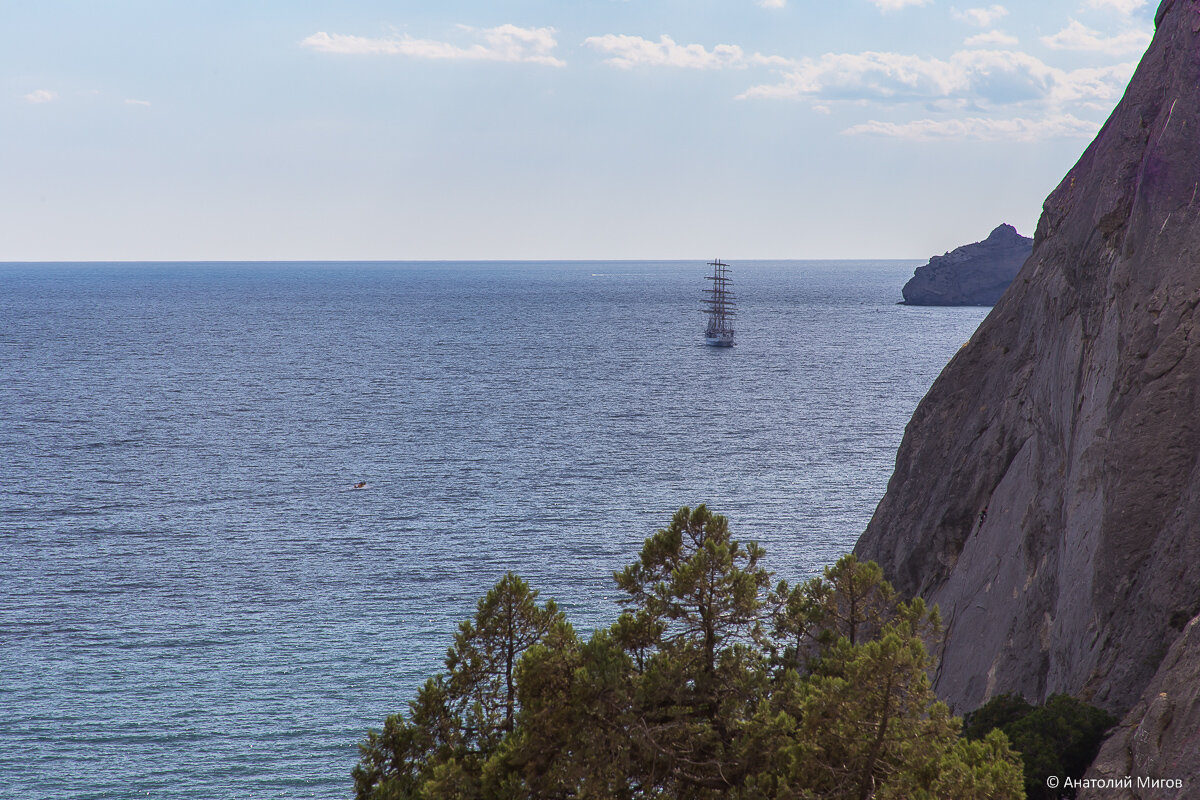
896	5
39	96
1125	7
1093	87
980	17
627	52
772	3
504	43
131	102
1077	36
991	39
992	77
978	128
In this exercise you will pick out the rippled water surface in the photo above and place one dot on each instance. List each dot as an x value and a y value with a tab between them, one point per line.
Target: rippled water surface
195	604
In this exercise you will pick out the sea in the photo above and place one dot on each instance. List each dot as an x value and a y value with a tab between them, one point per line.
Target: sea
195	601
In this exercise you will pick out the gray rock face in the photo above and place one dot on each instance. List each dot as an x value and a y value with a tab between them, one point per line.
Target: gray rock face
1073	418
971	275
1157	739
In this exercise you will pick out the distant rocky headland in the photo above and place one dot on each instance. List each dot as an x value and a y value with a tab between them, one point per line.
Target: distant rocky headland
1047	490
971	275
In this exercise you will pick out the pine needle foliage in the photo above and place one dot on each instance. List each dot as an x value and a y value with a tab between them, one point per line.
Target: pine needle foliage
710	684
1058	738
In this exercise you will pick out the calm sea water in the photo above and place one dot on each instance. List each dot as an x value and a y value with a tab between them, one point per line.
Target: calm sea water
194	603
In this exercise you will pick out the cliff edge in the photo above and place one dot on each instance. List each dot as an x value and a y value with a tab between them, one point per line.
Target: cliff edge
1047	490
972	275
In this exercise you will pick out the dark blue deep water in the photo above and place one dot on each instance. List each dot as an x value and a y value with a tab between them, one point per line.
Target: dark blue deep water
193	602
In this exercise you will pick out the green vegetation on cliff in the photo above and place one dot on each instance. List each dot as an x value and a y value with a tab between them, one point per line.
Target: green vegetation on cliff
1057	739
710	684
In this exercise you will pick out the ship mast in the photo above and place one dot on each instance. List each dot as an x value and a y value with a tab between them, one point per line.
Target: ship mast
719	304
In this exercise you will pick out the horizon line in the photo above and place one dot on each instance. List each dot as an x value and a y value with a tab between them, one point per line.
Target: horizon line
436	260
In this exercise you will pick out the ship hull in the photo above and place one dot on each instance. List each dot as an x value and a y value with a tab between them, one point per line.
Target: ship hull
719	340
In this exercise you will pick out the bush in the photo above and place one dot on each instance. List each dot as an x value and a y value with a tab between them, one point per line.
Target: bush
1059	738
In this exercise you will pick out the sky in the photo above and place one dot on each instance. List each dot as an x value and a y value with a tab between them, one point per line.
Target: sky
544	129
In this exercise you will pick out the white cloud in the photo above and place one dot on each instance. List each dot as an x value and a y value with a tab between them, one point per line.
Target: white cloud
859	76
981	17
991	39
992	77
1077	36
772	3
627	52
1018	129
137	102
1123	6
505	43
1094	87
38	96
896	5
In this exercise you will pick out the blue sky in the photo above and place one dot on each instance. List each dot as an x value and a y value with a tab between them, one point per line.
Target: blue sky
497	129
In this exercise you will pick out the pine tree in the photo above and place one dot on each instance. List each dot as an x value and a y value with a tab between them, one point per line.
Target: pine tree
693	620
689	696
460	719
850	599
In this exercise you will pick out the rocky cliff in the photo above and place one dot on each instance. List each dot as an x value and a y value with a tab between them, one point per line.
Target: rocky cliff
1158	738
1072	418
971	275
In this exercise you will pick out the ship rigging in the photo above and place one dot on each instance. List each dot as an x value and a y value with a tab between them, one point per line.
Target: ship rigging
719	306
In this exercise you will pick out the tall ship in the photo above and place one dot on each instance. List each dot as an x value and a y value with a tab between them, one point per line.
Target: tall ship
719	306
